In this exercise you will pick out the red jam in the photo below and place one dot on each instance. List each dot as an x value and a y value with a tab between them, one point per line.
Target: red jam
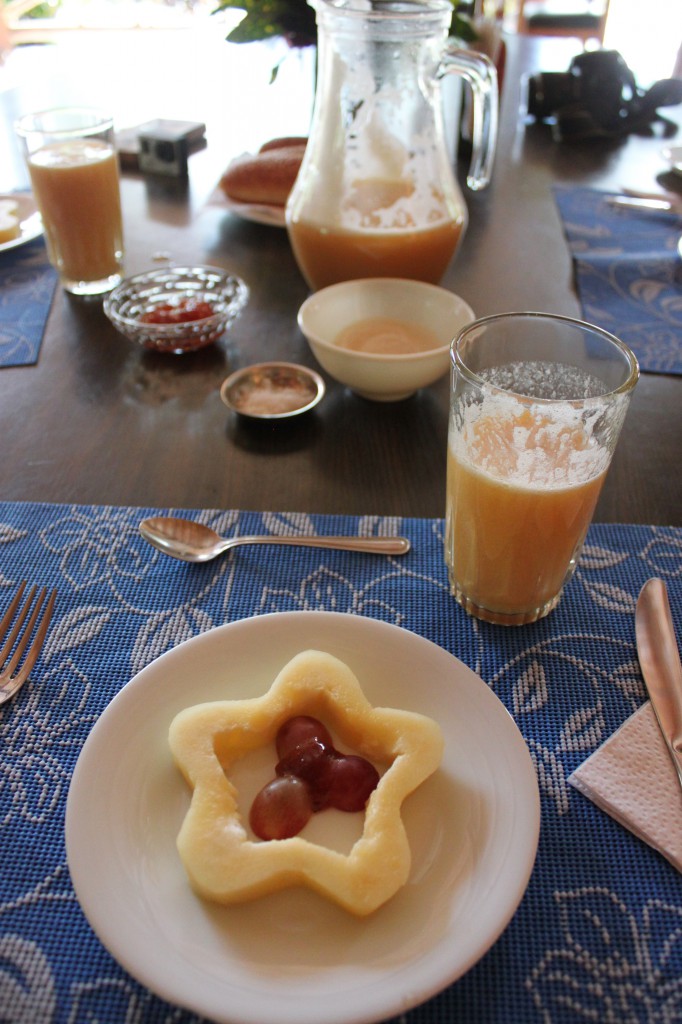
182	312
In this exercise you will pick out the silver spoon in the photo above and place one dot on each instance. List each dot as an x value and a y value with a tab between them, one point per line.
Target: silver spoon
194	542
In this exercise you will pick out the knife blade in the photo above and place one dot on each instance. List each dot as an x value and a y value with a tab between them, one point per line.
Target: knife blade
634	193
659	659
653	205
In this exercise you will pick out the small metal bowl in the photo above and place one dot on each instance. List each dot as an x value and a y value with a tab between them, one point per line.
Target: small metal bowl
226	294
272	391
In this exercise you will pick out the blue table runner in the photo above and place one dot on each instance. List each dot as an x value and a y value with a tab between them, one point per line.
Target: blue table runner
27	284
628	273
596	937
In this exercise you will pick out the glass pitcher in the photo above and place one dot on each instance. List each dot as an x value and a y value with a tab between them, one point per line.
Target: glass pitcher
376	195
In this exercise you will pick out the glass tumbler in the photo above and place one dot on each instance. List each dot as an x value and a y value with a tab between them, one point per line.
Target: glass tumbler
73	166
537	402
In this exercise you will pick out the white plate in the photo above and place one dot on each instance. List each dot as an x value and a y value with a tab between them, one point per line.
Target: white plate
30	223
293	957
259	213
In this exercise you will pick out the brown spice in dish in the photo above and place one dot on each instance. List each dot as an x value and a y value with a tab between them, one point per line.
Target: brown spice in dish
272	394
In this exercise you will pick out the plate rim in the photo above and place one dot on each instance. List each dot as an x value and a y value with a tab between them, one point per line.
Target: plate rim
267	214
24	237
399	1000
259	213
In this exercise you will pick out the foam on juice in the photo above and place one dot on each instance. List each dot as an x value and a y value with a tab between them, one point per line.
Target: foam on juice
523	481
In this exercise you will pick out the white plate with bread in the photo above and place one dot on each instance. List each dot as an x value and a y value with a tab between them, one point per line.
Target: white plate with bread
20	221
258	213
256	186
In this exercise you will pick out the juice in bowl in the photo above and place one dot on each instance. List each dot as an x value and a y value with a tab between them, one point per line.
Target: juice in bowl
537	404
73	167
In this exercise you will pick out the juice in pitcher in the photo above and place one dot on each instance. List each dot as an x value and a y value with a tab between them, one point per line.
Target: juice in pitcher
327	255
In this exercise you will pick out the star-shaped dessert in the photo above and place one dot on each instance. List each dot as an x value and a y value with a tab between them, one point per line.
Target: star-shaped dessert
226	863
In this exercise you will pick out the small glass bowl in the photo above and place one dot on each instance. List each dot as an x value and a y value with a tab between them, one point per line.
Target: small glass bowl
226	294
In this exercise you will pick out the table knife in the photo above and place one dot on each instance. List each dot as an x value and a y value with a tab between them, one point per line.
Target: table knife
639	203
659	659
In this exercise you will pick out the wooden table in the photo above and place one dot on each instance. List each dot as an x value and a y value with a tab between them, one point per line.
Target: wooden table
100	421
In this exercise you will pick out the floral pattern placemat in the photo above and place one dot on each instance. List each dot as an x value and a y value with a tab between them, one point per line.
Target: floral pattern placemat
27	284
596	936
628	273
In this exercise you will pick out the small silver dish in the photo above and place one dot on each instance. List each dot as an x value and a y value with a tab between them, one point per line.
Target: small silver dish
272	391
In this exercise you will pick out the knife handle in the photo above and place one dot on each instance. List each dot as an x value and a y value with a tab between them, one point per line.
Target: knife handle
660	660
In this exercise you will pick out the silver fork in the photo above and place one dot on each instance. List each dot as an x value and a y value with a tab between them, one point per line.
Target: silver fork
14	672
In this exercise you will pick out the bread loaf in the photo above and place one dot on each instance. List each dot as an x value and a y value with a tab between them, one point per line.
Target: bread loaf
286	141
267	177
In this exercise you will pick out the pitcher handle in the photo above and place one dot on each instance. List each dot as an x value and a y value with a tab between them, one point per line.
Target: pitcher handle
479	71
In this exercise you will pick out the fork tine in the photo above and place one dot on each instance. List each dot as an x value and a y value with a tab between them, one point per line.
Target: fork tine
14	632
28	631
7	619
9	684
38	639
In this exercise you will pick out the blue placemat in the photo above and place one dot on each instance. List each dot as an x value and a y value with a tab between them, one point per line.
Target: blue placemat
629	273
596	936
27	283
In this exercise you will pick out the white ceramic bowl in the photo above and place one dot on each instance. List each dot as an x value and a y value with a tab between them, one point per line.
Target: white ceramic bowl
383	378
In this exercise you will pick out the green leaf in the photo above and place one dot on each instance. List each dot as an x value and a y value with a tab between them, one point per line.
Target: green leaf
295	21
264	19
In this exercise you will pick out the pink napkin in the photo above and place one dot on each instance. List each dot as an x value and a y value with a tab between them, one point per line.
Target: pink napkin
632	778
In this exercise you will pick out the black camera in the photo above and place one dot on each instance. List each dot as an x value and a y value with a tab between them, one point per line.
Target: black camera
163	146
598	96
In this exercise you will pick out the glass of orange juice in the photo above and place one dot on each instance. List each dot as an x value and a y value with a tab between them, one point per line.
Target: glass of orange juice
73	166
537	402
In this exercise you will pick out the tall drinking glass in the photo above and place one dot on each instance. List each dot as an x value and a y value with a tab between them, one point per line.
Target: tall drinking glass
537	402
74	173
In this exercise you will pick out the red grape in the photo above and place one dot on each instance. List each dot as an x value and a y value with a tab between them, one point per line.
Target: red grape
305	762
344	781
349	781
281	809
298	731
311	775
311	765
